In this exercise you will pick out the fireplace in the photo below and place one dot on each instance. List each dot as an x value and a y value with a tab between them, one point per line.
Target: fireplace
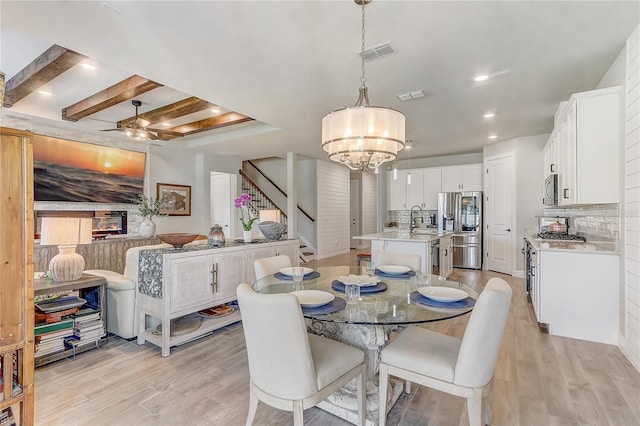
105	222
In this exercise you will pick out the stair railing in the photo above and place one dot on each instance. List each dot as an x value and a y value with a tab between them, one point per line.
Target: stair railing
275	185
259	200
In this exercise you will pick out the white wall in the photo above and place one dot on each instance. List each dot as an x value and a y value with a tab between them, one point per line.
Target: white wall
528	191
333	209
630	340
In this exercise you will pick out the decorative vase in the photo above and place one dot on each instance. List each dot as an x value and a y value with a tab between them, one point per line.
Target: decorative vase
147	228
247	235
216	236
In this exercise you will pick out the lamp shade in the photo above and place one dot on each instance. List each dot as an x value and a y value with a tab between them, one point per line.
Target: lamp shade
65	231
363	136
269	215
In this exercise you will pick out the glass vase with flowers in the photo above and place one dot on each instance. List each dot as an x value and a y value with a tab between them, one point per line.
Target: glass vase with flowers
242	203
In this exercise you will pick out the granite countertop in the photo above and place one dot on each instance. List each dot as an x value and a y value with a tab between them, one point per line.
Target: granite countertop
403	236
596	247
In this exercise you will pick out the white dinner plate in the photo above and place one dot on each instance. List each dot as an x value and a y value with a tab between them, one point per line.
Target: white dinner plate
443	294
394	269
289	271
313	298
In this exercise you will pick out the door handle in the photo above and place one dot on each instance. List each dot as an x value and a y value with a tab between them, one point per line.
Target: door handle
508	230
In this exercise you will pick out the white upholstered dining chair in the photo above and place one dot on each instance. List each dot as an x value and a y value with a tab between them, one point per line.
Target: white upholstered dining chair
459	367
289	368
412	261
270	265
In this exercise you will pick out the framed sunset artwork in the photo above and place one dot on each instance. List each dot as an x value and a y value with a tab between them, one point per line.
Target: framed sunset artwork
66	170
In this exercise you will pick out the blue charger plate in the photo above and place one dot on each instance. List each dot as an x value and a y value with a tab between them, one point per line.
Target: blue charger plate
378	288
335	305
464	303
400	276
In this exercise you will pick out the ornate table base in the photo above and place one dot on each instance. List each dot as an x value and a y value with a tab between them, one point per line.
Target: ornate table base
371	339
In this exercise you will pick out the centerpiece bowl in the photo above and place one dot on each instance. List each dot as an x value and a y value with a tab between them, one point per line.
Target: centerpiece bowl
177	240
272	230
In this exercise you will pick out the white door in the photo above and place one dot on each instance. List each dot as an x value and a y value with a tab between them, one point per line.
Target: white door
353	212
222	193
499	200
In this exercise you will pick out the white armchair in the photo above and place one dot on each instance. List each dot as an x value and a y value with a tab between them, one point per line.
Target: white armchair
270	265
290	369
412	261
459	367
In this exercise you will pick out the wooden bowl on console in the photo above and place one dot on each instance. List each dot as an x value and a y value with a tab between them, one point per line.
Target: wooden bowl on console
177	240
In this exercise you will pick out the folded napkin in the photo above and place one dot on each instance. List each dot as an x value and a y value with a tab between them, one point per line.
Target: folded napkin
464	303
335	305
361	280
405	275
369	289
310	276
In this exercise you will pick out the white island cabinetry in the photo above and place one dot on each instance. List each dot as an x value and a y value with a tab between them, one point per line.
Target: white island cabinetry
179	283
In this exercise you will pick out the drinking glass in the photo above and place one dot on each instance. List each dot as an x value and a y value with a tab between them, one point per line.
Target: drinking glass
352	293
370	268
422	279
298	275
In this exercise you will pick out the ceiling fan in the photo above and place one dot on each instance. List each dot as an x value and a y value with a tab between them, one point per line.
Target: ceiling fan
137	130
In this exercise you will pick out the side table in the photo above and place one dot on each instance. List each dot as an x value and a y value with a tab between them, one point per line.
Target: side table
92	288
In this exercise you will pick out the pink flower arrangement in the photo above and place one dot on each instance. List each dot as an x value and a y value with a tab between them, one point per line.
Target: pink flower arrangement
241	203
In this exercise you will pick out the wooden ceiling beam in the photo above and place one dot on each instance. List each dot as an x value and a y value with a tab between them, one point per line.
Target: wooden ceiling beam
119	92
170	112
224	120
53	62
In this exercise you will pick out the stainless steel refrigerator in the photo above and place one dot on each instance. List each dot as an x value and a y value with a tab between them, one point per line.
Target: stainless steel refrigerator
461	212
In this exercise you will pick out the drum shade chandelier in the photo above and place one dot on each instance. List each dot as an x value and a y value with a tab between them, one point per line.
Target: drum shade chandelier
363	136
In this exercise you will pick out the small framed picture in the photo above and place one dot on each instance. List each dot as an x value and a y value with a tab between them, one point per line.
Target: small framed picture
177	199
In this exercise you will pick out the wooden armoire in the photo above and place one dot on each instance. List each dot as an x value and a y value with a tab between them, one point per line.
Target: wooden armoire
16	276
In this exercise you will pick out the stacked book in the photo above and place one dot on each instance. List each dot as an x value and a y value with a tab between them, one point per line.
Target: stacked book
88	327
50	337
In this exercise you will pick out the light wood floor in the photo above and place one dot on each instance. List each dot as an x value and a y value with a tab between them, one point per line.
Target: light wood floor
539	380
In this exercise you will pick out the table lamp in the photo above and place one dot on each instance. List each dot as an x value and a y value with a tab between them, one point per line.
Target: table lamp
269	215
66	233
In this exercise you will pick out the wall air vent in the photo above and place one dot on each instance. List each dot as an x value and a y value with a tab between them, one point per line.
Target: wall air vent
376	51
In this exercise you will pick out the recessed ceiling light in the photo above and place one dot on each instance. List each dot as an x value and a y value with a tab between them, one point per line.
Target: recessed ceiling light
493	136
481	77
44	92
489	115
215	110
88	66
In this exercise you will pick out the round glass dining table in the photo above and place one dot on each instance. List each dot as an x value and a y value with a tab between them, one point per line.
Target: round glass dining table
367	324
393	306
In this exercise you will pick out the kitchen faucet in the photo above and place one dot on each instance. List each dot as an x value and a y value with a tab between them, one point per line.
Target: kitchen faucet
412	225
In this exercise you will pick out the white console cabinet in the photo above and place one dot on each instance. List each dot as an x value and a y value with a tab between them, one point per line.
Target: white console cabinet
183	282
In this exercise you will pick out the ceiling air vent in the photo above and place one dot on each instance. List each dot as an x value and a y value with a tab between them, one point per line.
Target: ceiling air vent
411	95
376	51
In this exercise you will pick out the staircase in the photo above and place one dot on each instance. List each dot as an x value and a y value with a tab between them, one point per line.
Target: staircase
260	201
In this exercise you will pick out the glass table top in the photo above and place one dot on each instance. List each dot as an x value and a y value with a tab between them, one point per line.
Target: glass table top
394	306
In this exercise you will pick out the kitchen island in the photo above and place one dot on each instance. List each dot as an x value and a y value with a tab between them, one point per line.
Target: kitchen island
433	247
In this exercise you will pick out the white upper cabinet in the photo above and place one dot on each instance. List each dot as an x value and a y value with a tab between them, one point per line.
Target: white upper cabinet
432	186
415	189
462	178
589	142
397	191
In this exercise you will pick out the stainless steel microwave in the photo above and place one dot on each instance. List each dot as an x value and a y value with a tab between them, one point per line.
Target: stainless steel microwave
551	191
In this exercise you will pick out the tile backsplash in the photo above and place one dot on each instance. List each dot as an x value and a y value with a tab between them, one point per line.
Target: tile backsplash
595	222
403	217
